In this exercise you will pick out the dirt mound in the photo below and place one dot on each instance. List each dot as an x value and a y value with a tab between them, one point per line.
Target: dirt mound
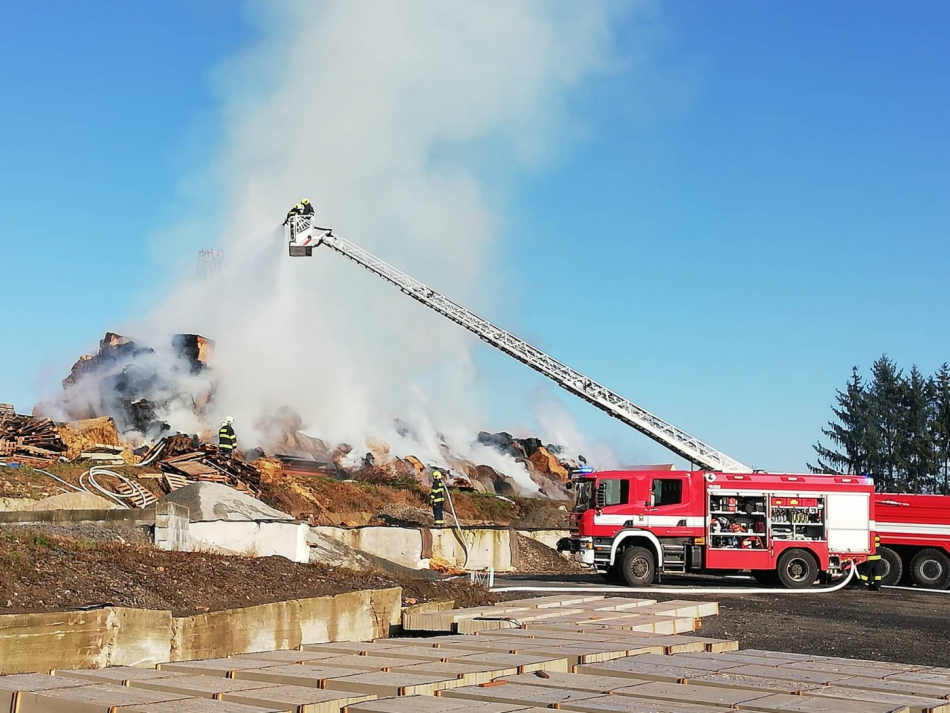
41	572
403	515
535	558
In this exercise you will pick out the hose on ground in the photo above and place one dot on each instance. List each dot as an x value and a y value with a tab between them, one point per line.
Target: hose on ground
686	590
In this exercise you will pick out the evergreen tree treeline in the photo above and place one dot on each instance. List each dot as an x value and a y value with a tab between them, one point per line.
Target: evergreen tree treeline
894	427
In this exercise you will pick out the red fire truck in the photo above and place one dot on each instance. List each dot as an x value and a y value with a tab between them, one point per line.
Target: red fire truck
633	525
788	529
915	538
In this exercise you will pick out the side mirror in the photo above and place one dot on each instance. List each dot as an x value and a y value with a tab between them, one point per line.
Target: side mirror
600	496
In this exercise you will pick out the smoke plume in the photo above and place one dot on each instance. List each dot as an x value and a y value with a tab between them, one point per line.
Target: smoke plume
387	116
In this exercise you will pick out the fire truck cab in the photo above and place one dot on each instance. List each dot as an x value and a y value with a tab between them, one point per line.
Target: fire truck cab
632	526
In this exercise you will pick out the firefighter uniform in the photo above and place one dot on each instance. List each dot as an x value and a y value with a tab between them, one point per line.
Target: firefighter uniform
437	498
227	439
296	210
871	572
306	208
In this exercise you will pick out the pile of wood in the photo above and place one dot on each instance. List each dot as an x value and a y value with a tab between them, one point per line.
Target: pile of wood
182	457
25	439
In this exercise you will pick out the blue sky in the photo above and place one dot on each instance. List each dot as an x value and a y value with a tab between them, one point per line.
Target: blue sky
759	206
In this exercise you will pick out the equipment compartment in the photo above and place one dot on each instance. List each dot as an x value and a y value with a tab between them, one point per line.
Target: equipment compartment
738	521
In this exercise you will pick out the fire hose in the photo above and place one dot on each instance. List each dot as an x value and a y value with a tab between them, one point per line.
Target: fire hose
458	527
688	590
88	479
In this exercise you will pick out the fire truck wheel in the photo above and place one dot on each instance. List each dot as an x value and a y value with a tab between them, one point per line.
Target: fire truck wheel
797	569
637	566
893	566
930	568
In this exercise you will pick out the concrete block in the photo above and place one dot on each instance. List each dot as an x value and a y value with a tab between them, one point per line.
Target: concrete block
917	704
631	668
625	704
285	657
432	704
201	705
736	657
382	683
524	663
417	653
574	681
294	674
98	698
888	686
13	687
377	662
299	699
868	670
784	703
549	697
815	677
223	667
198	686
711	664
119	675
555	600
928	676
341	648
618	604
686	693
752	683
470	674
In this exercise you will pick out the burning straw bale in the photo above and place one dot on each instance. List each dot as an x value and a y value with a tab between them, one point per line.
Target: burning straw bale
86	434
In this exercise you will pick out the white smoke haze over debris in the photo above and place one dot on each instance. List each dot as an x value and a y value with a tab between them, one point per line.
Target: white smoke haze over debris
383	115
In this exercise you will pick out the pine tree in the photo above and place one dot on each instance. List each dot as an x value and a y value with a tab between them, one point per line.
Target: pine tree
915	445
884	407
941	427
849	432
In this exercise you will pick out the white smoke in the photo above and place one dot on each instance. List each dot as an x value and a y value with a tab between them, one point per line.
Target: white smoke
387	116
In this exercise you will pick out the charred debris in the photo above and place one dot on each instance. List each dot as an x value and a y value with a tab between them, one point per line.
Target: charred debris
118	406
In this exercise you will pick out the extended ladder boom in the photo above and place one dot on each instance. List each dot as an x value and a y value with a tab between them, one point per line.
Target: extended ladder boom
304	236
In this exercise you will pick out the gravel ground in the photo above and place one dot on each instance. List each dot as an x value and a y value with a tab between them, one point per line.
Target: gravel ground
86	532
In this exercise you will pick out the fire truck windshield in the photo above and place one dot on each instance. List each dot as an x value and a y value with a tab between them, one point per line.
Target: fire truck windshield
582	499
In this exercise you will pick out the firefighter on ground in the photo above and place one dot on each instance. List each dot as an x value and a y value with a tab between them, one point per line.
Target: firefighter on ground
227	440
437	498
872	571
306	208
296	210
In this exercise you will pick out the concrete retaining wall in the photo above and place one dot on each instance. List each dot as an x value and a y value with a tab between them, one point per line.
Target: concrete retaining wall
545	537
356	616
415	548
263	538
117	636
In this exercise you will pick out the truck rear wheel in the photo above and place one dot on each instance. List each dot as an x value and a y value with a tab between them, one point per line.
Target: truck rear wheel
930	569
893	566
637	566
797	569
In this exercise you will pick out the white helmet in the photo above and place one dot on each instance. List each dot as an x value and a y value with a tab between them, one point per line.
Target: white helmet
229	420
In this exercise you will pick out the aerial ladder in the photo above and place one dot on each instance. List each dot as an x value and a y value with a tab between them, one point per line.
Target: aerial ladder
303	236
